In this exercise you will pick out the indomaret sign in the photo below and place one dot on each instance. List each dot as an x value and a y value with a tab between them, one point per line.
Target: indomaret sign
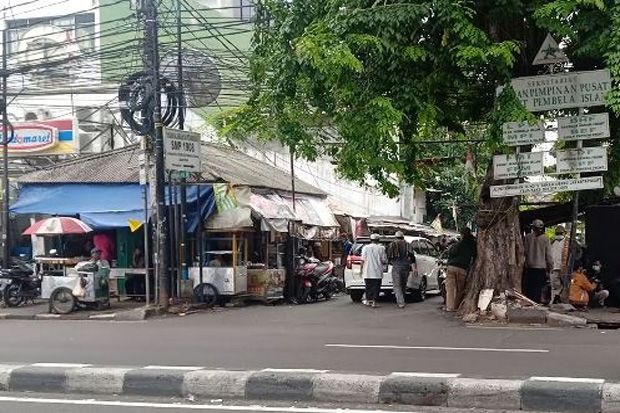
563	90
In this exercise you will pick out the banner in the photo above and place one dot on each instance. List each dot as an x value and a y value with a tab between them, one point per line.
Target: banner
39	138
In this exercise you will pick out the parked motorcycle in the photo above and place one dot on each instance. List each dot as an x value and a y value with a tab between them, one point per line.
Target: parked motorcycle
19	284
316	280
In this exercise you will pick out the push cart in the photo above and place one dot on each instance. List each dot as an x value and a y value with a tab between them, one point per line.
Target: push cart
78	289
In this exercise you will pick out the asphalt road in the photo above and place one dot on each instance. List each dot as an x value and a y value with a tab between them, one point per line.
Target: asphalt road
337	335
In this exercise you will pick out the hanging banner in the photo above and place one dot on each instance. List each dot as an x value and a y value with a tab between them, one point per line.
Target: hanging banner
563	90
584	127
522	133
546	187
518	166
582	160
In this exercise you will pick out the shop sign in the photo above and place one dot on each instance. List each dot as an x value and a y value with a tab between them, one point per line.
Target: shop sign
563	90
546	187
582	160
519	165
54	137
522	133
181	150
584	127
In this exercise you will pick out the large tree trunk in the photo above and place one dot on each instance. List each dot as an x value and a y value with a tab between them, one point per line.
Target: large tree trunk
499	262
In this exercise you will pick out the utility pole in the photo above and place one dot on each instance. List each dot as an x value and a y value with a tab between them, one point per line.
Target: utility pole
151	52
5	156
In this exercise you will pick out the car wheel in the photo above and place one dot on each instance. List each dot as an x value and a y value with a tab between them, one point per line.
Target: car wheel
419	295
356	295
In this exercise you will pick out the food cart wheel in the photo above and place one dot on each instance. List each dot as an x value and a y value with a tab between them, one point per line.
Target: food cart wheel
62	301
206	293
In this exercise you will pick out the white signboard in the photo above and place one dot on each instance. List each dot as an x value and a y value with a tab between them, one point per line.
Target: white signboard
522	133
595	126
516	166
181	150
563	90
582	160
549	53
547	187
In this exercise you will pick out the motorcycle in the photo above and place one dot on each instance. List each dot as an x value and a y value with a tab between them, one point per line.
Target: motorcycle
316	279
19	284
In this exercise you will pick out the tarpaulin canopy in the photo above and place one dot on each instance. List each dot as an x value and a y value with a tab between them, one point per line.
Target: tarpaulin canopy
102	206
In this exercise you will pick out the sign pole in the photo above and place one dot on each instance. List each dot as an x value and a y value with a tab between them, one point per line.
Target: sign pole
5	157
573	227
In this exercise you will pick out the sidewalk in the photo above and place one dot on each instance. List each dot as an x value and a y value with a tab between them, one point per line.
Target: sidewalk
40	311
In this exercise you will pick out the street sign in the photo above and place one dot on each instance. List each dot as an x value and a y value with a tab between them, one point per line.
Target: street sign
549	53
563	90
181	150
584	127
517	166
522	133
546	187
582	160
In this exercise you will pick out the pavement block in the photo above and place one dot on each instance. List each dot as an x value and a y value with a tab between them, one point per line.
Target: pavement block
5	375
562	395
611	398
527	315
414	390
38	379
218	384
277	385
563	320
353	388
154	382
96	380
486	394
137	314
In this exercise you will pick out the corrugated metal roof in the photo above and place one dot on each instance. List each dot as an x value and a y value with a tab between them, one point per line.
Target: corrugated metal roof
219	164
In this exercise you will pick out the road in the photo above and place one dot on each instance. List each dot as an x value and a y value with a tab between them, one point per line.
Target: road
337	335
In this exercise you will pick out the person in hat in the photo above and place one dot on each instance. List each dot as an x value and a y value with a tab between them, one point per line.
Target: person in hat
374	258
557	251
460	258
95	257
538	262
401	255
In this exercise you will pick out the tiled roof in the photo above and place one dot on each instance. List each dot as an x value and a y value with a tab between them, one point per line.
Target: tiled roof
219	164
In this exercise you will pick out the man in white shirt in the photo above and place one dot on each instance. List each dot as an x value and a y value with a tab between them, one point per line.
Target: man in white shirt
557	251
374	259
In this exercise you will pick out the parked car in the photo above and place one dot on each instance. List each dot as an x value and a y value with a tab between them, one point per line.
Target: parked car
426	280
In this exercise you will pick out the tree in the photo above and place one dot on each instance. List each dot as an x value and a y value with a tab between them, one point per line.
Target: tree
369	82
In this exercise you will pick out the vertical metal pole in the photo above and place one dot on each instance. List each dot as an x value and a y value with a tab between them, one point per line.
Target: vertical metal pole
5	157
573	228
146	250
293	177
201	249
152	63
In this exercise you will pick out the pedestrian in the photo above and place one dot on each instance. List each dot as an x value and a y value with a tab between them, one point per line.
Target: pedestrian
557	251
402	256
538	262
346	247
374	259
460	258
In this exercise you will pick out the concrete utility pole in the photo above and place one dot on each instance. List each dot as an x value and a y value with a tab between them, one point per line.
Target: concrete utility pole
5	156
151	53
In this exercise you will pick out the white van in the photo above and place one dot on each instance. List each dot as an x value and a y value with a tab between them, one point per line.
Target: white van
418	285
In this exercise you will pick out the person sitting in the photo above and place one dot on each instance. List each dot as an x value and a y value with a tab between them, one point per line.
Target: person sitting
584	288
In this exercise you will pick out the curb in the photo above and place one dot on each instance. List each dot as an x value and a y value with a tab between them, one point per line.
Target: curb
558	394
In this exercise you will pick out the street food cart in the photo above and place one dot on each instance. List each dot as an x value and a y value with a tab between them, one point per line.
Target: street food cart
77	289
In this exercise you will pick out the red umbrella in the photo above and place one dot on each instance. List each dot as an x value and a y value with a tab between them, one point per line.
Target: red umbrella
58	226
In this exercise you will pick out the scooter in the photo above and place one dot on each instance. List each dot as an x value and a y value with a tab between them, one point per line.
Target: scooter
316	279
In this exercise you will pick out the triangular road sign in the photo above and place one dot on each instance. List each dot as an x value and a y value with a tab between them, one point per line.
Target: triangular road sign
549	53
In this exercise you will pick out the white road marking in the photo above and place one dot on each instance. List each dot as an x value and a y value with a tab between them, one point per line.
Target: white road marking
569	379
434	375
61	365
185	368
295	371
514	328
479	349
175	406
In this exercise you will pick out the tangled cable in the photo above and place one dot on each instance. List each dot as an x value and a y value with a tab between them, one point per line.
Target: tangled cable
135	97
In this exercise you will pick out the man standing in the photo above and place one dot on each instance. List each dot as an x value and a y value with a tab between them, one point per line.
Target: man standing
374	259
538	261
460	258
557	250
401	256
